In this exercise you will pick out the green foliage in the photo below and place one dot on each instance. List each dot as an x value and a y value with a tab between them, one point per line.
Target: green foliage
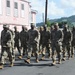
69	20
48	23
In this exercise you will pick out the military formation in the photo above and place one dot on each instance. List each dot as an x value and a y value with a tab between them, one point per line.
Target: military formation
47	42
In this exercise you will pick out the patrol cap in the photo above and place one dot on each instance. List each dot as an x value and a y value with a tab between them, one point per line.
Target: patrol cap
32	25
56	24
41	27
45	25
23	27
5	26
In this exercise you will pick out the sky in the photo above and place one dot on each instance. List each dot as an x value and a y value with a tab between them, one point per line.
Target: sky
56	8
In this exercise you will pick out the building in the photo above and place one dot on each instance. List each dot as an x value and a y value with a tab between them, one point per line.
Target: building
33	16
15	13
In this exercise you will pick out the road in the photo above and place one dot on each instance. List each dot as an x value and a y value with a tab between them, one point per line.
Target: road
42	68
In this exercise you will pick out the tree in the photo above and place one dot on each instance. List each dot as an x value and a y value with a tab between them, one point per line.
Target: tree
48	23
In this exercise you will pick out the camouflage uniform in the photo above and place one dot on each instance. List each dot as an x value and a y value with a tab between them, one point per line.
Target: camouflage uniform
56	42
33	43
40	43
73	42
66	42
13	51
6	44
17	41
24	39
45	39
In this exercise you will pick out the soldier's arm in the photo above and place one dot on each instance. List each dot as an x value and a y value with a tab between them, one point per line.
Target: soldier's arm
61	36
37	36
1	37
70	36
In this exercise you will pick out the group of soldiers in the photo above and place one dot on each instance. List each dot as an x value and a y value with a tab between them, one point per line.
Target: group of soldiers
53	43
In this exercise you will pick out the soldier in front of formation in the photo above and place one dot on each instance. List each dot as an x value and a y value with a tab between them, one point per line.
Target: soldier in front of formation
6	45
24	40
66	43
13	51
56	42
33	43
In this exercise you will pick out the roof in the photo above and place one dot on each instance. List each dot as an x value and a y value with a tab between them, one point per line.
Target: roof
34	11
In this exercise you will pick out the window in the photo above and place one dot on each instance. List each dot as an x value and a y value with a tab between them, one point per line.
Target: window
7	7
22	6
16	5
22	10
15	9
8	3
0	6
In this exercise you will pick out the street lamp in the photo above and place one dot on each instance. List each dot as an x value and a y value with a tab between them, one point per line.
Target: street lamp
46	5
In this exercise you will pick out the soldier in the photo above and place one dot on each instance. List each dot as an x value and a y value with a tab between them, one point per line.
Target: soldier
40	43
66	42
45	40
33	43
13	36
73	42
52	28
17	41
24	39
56	42
6	45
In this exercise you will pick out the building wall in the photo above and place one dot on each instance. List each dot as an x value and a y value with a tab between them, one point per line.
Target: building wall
11	19
33	16
7	14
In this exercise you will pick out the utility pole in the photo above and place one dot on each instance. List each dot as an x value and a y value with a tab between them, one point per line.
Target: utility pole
46	5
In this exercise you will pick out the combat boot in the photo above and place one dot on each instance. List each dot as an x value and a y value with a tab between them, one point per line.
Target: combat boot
37	60
59	62
72	56
1	66
11	64
20	57
54	63
64	59
27	61
43	57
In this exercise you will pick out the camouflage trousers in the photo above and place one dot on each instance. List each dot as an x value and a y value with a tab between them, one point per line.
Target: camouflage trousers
33	48
46	48
8	51
16	46
56	50
72	47
24	49
66	50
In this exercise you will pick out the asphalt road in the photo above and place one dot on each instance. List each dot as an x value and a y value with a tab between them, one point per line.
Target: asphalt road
42	68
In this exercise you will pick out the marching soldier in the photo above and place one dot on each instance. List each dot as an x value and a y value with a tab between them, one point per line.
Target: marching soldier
40	43
6	45
33	43
73	42
45	39
17	41
56	42
66	42
13	51
24	39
